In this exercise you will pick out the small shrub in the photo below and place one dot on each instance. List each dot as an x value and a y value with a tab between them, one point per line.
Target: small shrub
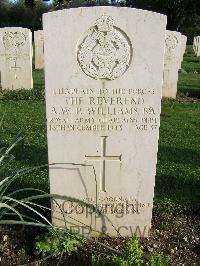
159	260
131	257
56	245
133	253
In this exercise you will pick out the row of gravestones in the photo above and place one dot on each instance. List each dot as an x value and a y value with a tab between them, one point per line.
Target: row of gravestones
103	79
175	46
16	58
196	46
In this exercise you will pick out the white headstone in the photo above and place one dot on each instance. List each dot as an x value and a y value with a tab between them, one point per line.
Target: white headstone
196	45
103	76
172	64
16	58
39	49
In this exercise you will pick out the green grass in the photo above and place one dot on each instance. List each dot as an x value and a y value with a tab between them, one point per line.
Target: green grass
178	168
27	117
24	111
189	81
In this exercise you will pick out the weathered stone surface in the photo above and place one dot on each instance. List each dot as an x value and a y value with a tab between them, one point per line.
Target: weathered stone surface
103	100
16	58
39	49
172	63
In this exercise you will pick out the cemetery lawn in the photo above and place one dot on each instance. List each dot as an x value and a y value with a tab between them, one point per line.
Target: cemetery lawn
189	78
176	215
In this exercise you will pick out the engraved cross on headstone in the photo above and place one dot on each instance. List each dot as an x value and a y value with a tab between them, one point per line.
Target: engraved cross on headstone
102	158
15	67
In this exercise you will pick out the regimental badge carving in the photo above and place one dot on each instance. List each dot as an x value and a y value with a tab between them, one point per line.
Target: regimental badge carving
13	40
105	52
171	42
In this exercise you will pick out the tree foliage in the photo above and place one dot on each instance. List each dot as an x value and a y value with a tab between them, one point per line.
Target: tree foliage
17	14
179	12
60	4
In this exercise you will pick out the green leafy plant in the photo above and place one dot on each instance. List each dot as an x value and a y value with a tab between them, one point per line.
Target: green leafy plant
159	260
52	245
132	256
134	253
109	261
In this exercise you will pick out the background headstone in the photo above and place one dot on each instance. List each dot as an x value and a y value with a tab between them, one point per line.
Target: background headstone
39	49
173	50
183	48
16	58
196	45
103	78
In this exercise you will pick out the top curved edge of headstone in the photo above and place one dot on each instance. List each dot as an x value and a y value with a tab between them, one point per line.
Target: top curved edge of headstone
38	31
143	12
14	28
174	32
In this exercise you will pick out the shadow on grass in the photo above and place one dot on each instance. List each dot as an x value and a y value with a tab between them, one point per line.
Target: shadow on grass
31	155
178	155
185	192
189	92
177	176
28	157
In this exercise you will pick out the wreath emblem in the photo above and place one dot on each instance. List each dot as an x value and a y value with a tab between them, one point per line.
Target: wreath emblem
105	51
